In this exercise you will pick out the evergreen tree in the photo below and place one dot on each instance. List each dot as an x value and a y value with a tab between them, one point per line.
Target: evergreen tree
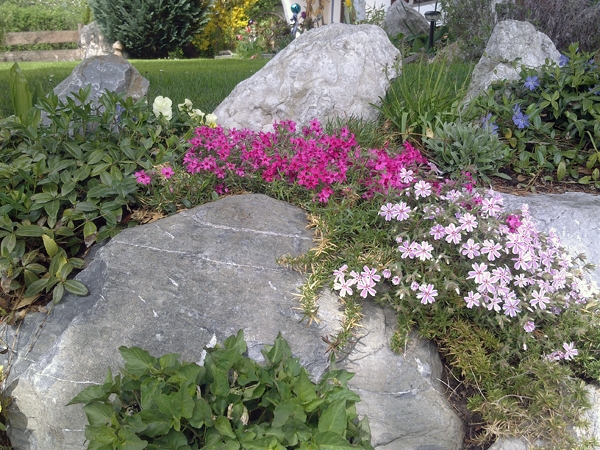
150	28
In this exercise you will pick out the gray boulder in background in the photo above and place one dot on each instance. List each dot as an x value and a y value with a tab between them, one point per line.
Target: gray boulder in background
92	41
171	285
401	18
332	71
104	73
512	41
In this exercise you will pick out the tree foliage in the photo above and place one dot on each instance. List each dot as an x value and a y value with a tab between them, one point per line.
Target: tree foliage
150	28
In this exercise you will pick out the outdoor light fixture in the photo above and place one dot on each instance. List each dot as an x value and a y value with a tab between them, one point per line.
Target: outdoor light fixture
432	17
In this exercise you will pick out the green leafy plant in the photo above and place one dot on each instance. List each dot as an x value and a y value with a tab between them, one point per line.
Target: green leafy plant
230	402
458	147
550	118
150	29
68	181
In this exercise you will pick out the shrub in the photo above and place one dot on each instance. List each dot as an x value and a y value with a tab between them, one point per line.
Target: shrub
224	22
471	23
153	28
550	118
228	402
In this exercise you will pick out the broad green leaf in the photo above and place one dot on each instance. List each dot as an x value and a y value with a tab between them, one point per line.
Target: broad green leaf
99	413
86	206
36	287
101	435
89	229
29	231
334	418
331	441
130	440
90	394
289	409
174	440
223	426
202	414
50	245
156	423
76	288
137	361
57	293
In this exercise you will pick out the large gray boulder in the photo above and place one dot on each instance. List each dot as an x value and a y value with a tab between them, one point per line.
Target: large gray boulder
327	72
171	285
104	73
574	216
512	45
92	41
401	18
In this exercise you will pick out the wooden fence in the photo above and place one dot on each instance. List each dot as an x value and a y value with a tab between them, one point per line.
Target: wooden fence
41	37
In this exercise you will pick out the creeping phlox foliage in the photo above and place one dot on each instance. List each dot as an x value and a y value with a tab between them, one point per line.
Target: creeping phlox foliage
321	163
466	268
229	402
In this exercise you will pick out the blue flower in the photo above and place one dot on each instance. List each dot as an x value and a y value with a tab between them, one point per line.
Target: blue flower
563	61
490	126
532	82
120	110
519	119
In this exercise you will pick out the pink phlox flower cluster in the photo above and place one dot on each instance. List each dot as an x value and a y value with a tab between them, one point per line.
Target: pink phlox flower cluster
569	353
317	161
365	281
399	211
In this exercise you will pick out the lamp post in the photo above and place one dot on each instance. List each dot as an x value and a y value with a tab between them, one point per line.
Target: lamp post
432	17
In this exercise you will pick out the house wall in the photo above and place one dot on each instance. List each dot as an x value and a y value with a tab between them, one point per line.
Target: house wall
332	10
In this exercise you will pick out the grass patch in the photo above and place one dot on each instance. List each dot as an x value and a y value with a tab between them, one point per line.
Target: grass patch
206	82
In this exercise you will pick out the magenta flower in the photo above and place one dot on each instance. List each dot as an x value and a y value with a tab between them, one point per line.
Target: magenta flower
167	172
142	177
513	221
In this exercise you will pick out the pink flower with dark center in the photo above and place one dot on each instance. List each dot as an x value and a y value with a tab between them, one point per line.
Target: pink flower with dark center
142	177
167	172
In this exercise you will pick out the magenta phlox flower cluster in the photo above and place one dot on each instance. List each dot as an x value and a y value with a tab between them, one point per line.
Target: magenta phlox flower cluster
146	178
509	268
313	159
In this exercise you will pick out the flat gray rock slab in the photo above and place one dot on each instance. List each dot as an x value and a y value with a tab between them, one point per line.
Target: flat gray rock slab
171	285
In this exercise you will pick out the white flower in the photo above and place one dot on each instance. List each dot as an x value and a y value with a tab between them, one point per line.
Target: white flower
211	120
186	105
162	105
196	114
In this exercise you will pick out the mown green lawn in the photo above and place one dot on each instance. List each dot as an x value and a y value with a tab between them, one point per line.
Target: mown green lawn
206	82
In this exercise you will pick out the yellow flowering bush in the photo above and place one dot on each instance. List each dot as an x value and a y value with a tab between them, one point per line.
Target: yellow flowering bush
226	19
